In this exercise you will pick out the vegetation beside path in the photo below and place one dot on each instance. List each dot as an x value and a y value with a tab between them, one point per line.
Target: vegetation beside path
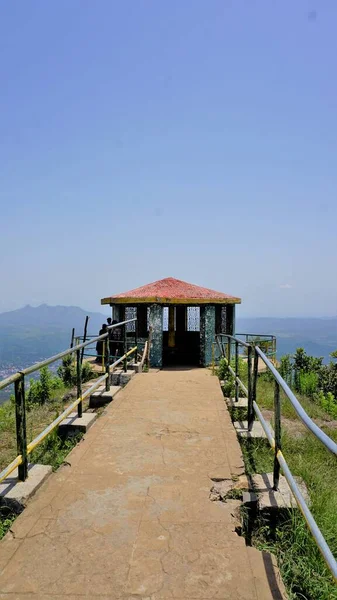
46	398
303	569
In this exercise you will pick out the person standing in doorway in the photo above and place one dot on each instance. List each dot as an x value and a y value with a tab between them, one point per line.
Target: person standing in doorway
115	341
100	344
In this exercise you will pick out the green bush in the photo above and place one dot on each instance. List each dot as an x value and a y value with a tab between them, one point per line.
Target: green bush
286	369
222	369
42	390
307	383
328	379
328	402
67	371
303	363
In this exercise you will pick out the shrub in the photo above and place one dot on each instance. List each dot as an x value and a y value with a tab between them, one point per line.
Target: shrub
42	390
308	383
286	368
328	402
328	379
67	371
222	369
303	363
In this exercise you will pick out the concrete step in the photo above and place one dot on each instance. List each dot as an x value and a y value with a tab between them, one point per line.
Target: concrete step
241	428
102	397
241	403
118	377
73	423
137	367
266	498
15	493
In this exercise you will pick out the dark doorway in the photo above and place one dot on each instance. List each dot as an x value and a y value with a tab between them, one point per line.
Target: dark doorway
181	336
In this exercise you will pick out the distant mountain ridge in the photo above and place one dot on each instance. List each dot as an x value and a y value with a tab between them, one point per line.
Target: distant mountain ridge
318	336
31	333
45	315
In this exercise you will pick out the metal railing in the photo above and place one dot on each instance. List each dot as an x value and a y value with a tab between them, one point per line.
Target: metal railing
120	345
266	342
24	449
225	344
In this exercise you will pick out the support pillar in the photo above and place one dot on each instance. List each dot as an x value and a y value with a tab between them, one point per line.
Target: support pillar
121	311
230	320
207	334
115	312
218	318
156	332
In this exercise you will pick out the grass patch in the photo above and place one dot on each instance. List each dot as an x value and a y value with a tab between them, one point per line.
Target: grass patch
54	449
37	418
303	570
265	399
7	517
302	567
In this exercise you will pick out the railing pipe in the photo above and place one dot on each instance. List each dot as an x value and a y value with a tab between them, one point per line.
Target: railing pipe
229	350
107	367
136	341
125	349
21	429
277	423
236	371
250	390
9	380
312	525
79	382
328	442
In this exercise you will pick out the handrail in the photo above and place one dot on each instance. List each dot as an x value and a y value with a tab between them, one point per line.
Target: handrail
315	530
267	339
23	449
232	337
145	351
275	438
306	420
44	363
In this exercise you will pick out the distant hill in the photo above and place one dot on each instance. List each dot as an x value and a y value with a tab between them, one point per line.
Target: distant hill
318	336
30	334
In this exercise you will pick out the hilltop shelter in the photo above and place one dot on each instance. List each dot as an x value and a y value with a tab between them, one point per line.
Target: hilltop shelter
181	318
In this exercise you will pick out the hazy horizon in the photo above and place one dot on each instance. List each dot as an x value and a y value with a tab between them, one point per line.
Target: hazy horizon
105	310
141	140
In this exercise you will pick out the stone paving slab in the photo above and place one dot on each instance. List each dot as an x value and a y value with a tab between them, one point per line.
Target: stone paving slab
130	516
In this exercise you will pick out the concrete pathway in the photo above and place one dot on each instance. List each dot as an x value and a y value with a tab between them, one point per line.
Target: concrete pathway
130	517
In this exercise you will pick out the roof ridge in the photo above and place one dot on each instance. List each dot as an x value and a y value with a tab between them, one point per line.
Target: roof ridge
170	289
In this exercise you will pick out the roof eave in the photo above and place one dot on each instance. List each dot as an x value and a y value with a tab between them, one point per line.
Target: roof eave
156	300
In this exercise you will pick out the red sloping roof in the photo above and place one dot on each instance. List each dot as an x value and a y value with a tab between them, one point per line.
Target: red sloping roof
170	289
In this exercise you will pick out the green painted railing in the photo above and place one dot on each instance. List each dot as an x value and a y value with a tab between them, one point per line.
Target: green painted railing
19	381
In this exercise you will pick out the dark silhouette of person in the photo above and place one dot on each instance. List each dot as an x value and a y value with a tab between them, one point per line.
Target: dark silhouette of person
115	337
100	343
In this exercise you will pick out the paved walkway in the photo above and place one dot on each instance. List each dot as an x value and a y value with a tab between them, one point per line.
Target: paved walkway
130	517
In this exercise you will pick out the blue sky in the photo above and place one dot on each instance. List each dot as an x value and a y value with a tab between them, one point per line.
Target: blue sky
144	139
